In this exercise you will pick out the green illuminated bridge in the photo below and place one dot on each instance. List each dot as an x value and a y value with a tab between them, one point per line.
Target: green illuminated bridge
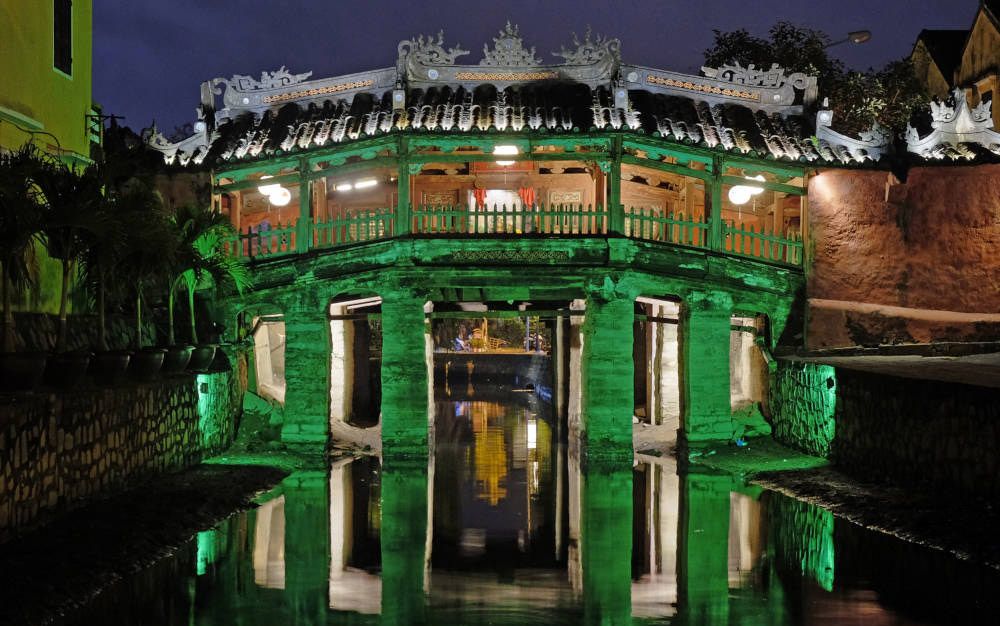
652	221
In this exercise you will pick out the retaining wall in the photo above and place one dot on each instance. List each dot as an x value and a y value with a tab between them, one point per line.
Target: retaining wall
59	449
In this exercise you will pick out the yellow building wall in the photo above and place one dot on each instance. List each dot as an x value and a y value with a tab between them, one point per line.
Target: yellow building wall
980	59
33	92
36	96
929	73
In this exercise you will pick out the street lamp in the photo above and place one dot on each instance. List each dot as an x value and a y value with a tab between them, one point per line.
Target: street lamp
857	36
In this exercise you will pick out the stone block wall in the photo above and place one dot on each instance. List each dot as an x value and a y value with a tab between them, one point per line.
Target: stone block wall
931	435
802	403
59	449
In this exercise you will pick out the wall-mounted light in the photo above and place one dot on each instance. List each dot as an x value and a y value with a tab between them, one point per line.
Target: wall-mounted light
505	151
343	187
741	194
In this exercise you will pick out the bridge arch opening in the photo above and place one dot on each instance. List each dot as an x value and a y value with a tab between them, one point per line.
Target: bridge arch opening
657	364
355	361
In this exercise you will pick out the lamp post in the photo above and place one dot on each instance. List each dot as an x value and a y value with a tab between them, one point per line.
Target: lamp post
855	37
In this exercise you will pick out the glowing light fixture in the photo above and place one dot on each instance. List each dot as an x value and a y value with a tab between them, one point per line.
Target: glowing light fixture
344	187
505	151
365	183
280	196
741	194
532	433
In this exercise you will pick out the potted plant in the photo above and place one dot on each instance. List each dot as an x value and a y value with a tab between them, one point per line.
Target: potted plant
71	218
200	255
19	227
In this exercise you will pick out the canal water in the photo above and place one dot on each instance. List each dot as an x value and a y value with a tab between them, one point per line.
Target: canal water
506	526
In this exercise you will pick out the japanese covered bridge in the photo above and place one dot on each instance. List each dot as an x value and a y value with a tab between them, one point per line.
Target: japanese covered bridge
593	192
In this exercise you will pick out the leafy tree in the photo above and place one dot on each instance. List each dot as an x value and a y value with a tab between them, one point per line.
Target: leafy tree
888	95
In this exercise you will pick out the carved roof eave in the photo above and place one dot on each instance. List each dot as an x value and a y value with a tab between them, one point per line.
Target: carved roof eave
956	127
771	99
872	145
236	100
190	150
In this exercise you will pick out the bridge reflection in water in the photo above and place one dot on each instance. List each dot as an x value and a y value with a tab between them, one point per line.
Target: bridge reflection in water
504	526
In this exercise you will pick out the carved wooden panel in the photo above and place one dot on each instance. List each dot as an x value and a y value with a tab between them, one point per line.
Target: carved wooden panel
440	198
561	196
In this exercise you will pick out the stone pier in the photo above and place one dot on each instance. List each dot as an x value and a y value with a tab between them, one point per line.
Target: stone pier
307	375
406	402
704	347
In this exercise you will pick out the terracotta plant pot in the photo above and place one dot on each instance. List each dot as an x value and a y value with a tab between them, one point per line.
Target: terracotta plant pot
21	371
146	363
176	360
109	368
202	357
67	370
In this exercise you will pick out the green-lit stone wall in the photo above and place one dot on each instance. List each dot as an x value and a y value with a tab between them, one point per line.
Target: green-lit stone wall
802	538
802	401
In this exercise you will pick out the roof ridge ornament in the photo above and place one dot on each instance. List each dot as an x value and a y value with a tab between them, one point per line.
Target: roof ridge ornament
870	145
590	51
268	80
773	78
430	51
955	125
509	51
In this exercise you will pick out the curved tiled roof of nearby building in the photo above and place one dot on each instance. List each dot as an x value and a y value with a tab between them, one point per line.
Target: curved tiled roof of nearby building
748	111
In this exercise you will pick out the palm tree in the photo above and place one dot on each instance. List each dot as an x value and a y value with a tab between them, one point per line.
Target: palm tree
71	219
199	255
108	245
20	214
147	254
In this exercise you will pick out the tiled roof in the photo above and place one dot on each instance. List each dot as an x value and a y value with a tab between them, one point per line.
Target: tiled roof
750	111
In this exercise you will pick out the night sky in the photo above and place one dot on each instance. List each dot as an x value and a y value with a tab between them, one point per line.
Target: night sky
150	56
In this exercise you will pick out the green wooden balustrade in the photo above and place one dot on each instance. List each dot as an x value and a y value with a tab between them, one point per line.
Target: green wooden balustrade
654	225
539	219
748	241
643	223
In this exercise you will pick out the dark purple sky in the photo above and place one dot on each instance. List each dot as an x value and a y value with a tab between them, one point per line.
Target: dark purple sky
150	56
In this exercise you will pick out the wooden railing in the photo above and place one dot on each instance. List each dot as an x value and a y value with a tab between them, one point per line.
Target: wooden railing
366	225
748	241
272	242
518	221
670	227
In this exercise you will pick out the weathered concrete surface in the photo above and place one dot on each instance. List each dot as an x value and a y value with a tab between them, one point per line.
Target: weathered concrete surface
606	381
704	348
928	245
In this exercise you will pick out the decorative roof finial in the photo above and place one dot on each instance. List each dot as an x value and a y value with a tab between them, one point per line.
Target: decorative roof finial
509	51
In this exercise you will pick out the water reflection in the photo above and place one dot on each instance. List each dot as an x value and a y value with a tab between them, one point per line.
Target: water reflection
504	525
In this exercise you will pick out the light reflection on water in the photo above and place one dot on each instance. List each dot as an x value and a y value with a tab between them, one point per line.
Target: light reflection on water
503	526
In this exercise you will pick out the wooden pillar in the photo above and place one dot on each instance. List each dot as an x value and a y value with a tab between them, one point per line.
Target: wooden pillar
616	211
713	189
303	227
405	376
704	346
404	222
